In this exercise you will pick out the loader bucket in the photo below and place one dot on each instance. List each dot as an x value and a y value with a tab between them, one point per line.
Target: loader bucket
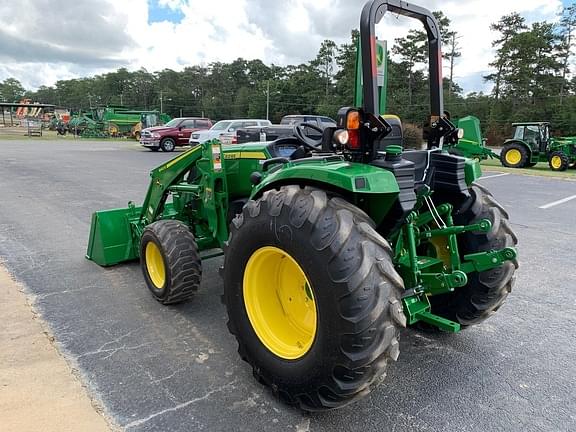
111	240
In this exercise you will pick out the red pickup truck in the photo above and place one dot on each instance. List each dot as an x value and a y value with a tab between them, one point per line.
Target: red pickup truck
174	133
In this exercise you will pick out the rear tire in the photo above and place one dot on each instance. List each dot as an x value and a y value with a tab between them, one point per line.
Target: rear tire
485	291
170	261
353	285
558	161
514	156
167	144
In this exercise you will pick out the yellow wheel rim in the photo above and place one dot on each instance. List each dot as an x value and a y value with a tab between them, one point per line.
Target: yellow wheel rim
279	302
556	162
513	156
441	248
155	265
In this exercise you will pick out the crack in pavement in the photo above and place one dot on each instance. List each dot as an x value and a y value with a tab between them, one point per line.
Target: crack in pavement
146	419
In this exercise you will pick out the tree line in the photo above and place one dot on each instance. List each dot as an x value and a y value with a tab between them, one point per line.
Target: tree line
530	74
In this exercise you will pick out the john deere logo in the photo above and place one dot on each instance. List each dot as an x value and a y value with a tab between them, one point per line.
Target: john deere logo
379	54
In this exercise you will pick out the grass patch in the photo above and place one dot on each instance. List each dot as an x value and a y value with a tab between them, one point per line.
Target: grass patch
541	169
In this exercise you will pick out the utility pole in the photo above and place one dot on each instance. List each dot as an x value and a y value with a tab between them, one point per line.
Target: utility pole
121	101
267	99
453	54
161	107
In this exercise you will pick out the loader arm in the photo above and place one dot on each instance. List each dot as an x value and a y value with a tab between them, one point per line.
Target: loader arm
115	234
162	178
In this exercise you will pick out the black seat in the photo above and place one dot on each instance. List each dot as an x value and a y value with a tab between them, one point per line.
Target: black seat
420	158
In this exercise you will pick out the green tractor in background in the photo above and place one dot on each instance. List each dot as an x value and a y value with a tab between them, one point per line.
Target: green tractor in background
330	246
148	119
532	143
121	121
114	121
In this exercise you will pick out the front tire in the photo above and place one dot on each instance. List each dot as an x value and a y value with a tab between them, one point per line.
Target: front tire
558	161
487	290
295	247
167	144
170	261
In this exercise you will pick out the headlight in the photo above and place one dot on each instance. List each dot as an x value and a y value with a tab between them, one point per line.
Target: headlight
195	136
155	135
460	133
341	137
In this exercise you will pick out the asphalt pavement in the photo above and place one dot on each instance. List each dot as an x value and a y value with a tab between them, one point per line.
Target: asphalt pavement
157	368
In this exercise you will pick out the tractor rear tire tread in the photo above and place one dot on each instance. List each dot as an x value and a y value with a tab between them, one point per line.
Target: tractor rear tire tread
366	290
524	160
181	260
485	291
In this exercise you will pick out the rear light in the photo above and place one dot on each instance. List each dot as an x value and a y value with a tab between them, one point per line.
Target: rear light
353	126
353	120
353	140
349	122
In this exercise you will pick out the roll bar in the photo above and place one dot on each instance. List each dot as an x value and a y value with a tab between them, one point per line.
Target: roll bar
372	13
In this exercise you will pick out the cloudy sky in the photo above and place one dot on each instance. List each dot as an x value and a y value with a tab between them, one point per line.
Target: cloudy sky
42	41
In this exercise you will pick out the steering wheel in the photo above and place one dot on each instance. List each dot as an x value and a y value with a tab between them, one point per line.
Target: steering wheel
306	140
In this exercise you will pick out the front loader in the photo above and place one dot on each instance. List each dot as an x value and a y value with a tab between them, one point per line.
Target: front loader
330	246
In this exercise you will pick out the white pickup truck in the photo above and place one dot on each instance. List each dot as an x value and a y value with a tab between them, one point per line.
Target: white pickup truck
225	130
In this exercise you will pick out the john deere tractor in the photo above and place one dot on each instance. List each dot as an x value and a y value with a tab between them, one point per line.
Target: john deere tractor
532	143
330	247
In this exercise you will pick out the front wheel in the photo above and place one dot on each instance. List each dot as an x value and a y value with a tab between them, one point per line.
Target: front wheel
312	296
558	161
167	145
170	261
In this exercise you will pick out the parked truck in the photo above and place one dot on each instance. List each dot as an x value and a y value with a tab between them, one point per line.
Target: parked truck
313	127
173	134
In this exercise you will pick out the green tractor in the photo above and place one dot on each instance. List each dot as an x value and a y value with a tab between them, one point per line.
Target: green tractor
330	247
532	143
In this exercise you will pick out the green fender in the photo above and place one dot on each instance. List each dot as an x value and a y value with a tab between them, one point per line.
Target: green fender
520	142
472	171
372	189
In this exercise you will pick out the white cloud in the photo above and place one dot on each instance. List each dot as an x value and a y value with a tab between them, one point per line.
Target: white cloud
471	19
103	35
